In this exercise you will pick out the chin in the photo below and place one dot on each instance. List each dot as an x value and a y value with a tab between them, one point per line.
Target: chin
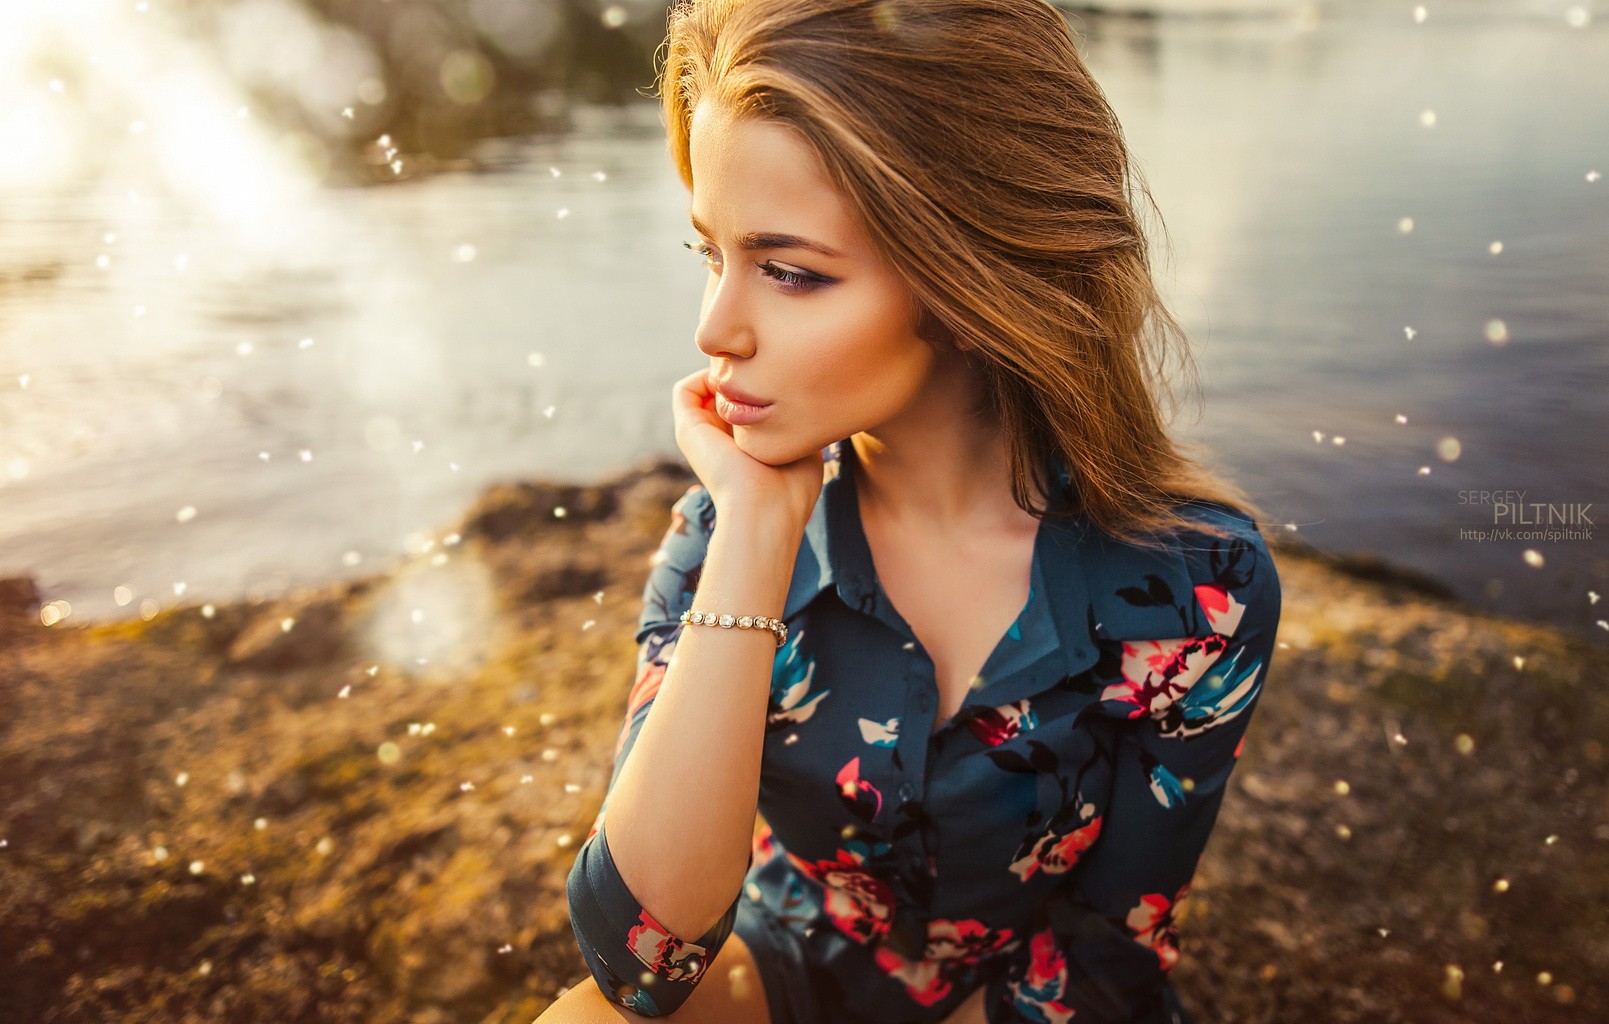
758	446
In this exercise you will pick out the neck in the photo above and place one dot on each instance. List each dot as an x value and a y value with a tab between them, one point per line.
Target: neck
937	469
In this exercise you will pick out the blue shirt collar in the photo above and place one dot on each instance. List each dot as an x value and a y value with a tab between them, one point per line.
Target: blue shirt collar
1087	585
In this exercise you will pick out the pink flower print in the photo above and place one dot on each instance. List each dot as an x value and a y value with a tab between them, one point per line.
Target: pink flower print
1008	721
1038	995
1056	850
860	796
665	954
966	940
857	901
924	980
1152	922
1223	611
1158	672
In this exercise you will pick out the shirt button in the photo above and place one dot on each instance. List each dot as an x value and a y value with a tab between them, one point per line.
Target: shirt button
906	791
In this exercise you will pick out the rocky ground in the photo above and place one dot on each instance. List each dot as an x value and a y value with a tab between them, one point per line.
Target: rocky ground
360	803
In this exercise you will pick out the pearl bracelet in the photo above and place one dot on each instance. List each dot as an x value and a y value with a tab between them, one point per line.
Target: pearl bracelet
776	626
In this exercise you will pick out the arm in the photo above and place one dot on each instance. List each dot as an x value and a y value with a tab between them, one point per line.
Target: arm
653	895
1109	938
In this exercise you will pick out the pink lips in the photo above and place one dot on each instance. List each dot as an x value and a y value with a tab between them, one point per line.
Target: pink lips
739	408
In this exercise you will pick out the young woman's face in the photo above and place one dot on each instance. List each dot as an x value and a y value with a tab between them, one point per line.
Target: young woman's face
827	338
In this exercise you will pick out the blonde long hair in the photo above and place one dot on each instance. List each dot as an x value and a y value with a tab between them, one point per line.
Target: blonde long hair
984	161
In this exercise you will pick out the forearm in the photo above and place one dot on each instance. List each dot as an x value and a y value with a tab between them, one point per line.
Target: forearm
681	813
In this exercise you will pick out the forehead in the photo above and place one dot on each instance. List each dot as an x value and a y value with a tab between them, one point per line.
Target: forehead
753	175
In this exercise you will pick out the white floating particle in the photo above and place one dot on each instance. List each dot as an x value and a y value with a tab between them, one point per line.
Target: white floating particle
1448	449
536	359
1519	661
306	455
347	113
1405	225
181	778
417	615
466	787
1592	597
1533	558
103	261
388	753
524	779
588	624
197	866
324	846
563	213
548	718
572	787
1401	418
23	379
1338	440
465	253
139	311
205	967
1497	332
346	691
550	754
1409	332
264	456
396	167
564	839
287	624
1424	470
560	512
1427	118
1577	17
427	729
1420	14
418	446
508	730
244	348
1495	248
1593	175
305	343
548	412
1550	840
136	127
1318	437
179	588
159	854
260	824
185	514
599	176
248	879
505	948
56	85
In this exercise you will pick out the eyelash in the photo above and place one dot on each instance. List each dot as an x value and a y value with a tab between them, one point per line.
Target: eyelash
789	279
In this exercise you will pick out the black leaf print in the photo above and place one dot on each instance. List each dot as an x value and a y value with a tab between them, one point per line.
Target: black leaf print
1043	758
1011	761
1156	592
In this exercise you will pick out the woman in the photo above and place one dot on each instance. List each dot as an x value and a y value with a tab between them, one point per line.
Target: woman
988	737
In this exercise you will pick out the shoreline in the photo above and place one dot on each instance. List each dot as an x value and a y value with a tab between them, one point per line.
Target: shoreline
280	811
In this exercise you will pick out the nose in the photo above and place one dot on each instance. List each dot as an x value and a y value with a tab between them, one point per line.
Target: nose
724	323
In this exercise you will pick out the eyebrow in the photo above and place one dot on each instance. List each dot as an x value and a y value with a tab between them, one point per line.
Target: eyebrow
758	241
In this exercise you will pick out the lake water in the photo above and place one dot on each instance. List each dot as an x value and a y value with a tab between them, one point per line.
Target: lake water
217	380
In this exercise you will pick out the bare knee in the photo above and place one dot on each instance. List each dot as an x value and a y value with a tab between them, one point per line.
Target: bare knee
585	1004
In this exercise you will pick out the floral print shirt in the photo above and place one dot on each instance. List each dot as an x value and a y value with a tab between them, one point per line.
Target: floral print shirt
1038	843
